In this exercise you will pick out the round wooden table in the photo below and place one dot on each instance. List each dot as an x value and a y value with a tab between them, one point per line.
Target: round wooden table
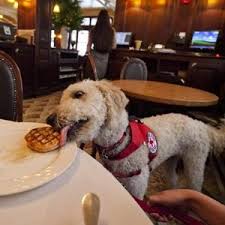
171	94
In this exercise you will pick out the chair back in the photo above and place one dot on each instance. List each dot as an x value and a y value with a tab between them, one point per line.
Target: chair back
11	91
89	68
134	69
205	76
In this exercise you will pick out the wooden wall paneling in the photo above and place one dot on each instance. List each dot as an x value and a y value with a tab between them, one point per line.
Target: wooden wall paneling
26	15
185	13
136	23
119	22
170	24
158	23
156	20
209	16
42	44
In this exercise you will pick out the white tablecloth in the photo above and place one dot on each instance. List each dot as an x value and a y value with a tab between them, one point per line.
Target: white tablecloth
59	202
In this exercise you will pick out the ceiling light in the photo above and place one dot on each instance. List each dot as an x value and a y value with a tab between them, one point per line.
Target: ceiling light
59	36
134	3
15	5
161	2
56	8
212	2
137	3
26	4
11	1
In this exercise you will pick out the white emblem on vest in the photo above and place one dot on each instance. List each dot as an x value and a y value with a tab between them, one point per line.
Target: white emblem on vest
151	142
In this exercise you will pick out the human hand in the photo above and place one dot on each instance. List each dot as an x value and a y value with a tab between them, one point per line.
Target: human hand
177	199
172	198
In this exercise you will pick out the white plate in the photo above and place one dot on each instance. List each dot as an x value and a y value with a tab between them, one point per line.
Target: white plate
22	169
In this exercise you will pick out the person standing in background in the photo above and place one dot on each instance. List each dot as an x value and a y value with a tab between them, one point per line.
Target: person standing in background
103	38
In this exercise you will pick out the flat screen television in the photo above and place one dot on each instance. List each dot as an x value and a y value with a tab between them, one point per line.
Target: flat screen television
123	38
204	39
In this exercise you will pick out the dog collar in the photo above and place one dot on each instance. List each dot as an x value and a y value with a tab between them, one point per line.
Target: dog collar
140	134
102	150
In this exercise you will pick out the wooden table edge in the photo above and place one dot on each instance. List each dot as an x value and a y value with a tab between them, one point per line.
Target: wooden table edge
176	102
171	102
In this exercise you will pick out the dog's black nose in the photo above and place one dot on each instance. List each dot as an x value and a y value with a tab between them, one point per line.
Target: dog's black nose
51	119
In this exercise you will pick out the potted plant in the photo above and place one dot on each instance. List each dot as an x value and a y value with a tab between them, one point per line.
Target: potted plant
68	14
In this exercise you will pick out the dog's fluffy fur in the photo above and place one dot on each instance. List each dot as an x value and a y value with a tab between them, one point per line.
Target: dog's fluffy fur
179	136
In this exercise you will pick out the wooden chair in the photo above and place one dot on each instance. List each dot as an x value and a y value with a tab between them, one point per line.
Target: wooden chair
89	68
11	90
205	76
134	69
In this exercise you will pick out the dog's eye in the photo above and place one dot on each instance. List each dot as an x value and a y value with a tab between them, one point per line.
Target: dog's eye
78	94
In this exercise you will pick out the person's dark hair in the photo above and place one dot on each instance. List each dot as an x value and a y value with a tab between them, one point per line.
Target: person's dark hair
103	33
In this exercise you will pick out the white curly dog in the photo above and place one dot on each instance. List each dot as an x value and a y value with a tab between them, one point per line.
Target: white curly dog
95	111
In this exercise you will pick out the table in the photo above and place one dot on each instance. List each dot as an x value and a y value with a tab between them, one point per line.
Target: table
171	94
59	202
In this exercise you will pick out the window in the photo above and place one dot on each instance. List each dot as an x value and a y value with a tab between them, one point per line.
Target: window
82	42
90	4
86	21
93	21
79	38
82	35
73	39
52	38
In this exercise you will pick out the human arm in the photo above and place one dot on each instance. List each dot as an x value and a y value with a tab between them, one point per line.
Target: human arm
89	44
114	39
208	209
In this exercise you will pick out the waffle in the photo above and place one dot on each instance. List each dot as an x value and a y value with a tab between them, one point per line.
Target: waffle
43	139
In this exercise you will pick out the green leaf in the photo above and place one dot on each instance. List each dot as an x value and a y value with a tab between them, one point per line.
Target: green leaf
70	14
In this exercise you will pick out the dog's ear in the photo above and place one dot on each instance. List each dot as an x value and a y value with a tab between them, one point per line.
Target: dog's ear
115	99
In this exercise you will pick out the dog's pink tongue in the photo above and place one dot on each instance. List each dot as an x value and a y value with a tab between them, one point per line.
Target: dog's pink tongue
63	135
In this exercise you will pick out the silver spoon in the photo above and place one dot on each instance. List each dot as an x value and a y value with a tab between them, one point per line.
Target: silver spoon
91	208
